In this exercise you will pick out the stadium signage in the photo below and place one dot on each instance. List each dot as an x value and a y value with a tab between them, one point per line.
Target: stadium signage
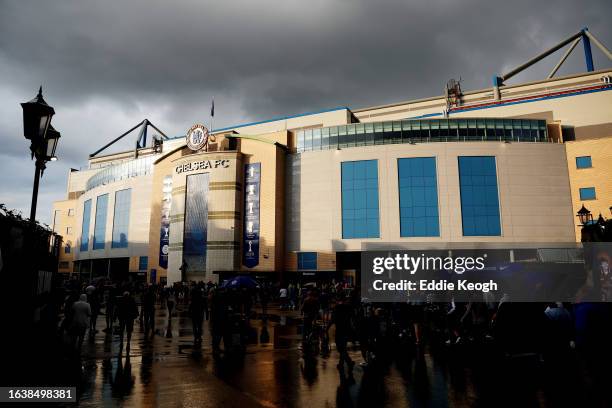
202	165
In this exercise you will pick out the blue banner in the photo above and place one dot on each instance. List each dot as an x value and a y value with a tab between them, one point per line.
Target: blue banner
250	244
164	233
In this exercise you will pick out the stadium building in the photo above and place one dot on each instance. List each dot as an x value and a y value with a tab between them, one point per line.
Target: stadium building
299	197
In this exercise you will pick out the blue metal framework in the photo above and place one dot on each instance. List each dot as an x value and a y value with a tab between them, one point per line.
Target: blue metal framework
583	35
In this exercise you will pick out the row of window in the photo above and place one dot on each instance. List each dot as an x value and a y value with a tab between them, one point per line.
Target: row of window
413	131
586	193
129	169
121	221
418	197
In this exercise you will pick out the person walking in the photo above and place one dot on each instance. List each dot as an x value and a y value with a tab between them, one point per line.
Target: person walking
310	310
292	295
110	308
170	301
264	298
93	297
81	312
341	318
196	310
218	318
148	311
127	311
282	295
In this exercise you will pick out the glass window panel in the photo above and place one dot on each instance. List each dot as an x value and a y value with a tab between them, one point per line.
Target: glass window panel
350	135
479	196
583	162
143	262
307	260
121	218
588	193
360	215
325	138
333	137
100	222
316	139
196	222
308	140
300	141
342	139
418	197
85	225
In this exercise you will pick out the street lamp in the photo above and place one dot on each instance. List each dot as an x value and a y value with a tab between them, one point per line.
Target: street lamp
43	139
52	139
584	216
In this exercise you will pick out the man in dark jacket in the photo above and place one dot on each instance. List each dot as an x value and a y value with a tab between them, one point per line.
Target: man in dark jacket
218	318
310	310
126	311
341	317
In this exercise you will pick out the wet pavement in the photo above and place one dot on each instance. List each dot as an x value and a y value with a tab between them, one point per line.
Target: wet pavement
168	371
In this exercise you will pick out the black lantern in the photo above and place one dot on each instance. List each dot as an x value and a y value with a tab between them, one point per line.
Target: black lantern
585	216
52	139
36	118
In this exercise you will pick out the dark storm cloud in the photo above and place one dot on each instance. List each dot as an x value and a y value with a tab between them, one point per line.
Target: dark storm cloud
107	65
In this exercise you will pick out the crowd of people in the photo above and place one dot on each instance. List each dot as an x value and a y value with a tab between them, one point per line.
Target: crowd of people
378	330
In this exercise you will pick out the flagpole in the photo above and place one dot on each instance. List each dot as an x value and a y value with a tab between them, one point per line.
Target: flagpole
212	114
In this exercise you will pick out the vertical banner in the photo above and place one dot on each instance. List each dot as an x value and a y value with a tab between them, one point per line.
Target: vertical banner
250	244
164	235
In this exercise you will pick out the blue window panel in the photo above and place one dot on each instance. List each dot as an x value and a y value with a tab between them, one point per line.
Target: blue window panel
195	236
479	196
418	196
85	226
307	260
360	208
100	225
143	263
583	162
588	193
121	218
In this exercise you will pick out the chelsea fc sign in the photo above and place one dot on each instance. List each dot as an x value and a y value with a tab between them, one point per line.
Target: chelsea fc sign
197	137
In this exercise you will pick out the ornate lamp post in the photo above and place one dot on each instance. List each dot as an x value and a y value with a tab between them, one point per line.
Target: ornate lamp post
43	139
584	216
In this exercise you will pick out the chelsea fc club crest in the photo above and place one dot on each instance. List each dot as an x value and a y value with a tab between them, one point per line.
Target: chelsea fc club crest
197	137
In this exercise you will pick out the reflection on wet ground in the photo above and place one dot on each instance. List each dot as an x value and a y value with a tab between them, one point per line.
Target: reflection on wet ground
168	371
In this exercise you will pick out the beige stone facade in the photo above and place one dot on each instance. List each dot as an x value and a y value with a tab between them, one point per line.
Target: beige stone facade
598	176
300	197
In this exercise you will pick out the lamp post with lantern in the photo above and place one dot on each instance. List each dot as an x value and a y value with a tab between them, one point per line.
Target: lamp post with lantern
599	230
43	139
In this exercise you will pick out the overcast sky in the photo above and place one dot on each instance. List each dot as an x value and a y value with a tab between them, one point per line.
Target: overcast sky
107	65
